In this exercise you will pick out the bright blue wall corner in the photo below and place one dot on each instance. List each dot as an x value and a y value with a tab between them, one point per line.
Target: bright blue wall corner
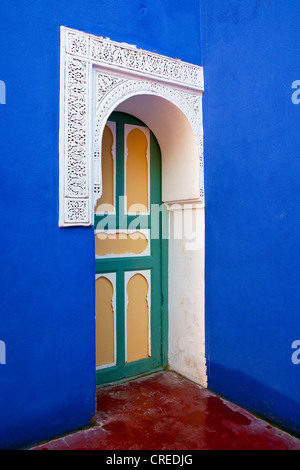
47	273
252	168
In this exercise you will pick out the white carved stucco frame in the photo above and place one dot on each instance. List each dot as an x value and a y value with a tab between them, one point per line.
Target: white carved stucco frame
97	75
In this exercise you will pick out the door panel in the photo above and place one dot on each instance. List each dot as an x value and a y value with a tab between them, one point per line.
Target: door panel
130	300
105	320
107	201
137	169
137	308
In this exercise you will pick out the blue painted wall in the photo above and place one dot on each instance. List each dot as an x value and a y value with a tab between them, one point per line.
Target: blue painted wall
47	274
252	168
252	177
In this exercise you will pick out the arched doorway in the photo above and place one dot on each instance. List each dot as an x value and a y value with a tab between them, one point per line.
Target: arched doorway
131	295
98	77
185	211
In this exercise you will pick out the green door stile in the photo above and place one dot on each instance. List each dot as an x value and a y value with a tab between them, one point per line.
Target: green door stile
156	263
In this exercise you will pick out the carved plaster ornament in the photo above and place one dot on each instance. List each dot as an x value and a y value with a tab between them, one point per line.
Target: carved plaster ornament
96	76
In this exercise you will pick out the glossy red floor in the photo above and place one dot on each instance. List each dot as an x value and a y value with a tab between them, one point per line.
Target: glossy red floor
166	412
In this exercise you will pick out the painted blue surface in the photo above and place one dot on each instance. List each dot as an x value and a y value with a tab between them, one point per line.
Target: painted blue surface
47	274
252	181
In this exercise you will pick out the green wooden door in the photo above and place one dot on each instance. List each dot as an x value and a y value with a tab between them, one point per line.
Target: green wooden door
131	254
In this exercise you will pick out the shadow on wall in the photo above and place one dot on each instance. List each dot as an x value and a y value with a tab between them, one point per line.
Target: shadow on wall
255	397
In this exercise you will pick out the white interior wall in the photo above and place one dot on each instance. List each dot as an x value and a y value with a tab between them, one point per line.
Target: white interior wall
186	353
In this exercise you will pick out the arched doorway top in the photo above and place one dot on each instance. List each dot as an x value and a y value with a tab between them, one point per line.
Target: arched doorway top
99	76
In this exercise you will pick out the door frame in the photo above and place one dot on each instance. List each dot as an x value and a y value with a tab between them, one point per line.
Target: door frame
99	76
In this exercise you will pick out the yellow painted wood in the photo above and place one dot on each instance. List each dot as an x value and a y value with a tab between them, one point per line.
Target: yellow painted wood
137	172
120	243
104	322
137	319
106	202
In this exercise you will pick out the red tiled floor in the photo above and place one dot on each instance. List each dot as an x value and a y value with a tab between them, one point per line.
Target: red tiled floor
166	412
